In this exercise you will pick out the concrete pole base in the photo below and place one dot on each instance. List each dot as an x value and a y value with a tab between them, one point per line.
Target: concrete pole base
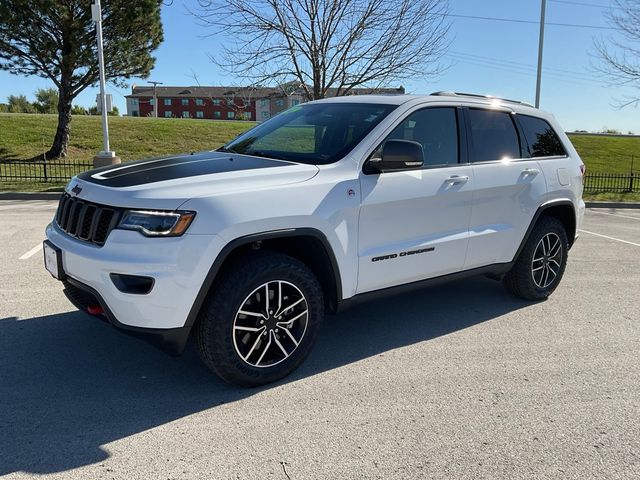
104	160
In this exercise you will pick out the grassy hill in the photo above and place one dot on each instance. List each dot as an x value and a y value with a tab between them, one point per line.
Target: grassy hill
608	154
24	136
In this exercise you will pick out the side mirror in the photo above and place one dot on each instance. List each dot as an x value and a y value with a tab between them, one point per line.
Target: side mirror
397	155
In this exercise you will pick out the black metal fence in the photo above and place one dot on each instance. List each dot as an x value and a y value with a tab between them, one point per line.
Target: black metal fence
611	182
62	171
40	171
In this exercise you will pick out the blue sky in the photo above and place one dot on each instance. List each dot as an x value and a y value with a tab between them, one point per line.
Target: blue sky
491	57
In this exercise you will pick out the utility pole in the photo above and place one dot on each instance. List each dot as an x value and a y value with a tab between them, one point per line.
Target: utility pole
540	48
155	98
106	156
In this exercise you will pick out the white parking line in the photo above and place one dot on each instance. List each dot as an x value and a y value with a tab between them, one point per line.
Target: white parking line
32	252
610	238
615	215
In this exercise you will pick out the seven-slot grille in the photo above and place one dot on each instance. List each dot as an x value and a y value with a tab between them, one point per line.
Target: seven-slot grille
86	221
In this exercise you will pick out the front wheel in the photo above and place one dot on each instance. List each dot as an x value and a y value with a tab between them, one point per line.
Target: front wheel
539	268
261	321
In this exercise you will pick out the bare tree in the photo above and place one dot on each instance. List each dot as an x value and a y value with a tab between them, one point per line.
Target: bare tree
329	44
620	54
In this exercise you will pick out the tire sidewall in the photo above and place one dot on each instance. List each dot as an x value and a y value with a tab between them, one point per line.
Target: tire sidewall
546	226
243	373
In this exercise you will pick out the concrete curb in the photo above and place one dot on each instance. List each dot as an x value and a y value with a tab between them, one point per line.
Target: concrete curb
612	204
30	195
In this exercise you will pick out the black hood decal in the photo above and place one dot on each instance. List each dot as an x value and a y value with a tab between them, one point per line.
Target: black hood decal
156	170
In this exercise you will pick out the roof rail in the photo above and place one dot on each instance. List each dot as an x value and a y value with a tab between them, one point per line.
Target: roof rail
475	95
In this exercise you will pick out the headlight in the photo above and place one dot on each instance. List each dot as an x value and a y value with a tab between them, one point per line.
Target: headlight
156	224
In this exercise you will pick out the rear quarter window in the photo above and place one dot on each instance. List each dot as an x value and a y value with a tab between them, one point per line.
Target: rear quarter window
541	138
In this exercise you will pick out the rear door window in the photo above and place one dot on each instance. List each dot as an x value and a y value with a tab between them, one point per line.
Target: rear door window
541	138
494	135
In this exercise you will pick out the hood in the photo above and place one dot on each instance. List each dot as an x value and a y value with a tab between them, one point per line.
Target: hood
165	183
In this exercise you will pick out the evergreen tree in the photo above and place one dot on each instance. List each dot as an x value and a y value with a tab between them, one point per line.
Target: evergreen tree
57	40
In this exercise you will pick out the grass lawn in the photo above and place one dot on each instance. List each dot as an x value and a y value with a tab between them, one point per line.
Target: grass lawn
608	154
24	136
612	197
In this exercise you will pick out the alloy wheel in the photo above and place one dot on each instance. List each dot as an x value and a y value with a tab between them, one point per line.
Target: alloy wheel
270	324
547	260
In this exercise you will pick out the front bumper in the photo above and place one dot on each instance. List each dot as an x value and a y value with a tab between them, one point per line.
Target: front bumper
170	340
178	266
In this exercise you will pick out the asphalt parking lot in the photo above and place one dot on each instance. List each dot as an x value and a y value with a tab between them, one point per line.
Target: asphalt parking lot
461	381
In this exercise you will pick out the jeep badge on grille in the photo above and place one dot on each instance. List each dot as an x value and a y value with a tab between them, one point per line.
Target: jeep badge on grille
76	190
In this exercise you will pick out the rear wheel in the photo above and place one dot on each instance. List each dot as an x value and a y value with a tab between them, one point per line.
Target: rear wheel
541	264
261	321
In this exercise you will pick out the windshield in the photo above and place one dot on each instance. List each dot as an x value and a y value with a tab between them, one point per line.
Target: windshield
317	134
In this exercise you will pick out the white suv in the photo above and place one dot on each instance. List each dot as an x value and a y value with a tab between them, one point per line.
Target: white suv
327	203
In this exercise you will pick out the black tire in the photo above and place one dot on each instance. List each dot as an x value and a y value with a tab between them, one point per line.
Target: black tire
526	280
216	332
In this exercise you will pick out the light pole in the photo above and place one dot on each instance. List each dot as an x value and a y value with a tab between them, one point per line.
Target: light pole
106	156
540	48
155	98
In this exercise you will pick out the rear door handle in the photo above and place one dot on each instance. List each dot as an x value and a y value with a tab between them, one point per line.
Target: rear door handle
456	179
530	171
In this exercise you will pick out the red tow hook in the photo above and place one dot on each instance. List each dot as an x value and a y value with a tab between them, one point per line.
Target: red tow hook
95	310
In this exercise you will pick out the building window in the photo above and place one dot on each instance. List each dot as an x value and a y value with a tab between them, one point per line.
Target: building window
231	115
199	101
185	101
295	102
279	102
168	114
246	115
185	114
264	102
216	101
265	115
151	102
167	102
216	114
134	102
199	114
230	101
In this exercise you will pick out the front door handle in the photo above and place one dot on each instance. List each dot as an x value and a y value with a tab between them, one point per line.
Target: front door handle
457	179
530	171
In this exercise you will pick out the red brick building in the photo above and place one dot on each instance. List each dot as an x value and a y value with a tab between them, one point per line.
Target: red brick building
222	103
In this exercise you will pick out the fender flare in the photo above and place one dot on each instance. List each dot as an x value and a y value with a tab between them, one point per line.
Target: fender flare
256	237
541	209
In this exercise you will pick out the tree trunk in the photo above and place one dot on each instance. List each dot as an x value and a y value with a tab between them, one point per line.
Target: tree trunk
61	140
317	87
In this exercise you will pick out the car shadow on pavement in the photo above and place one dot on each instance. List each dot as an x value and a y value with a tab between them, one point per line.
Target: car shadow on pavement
70	384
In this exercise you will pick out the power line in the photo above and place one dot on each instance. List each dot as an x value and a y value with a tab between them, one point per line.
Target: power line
582	4
521	68
529	22
528	73
511	63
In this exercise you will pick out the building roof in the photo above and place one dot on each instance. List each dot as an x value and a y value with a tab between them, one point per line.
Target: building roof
245	92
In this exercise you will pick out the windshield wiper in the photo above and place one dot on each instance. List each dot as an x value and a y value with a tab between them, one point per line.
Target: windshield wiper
262	153
226	150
